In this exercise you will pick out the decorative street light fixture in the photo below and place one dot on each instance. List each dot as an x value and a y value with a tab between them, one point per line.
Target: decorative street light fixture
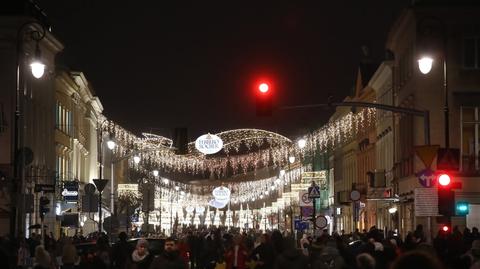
425	63
35	31
302	143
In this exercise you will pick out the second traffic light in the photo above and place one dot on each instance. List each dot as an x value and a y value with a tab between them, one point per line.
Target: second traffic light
44	206
263	100
446	196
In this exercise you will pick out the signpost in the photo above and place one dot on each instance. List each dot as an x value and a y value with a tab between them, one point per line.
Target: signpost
100	184
314	193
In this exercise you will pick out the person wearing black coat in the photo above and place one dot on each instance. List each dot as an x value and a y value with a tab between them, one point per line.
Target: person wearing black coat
170	258
264	254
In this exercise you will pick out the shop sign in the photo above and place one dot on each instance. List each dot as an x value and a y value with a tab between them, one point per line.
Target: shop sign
70	191
209	144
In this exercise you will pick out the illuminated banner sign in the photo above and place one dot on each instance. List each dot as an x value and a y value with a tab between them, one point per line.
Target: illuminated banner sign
209	144
70	191
127	189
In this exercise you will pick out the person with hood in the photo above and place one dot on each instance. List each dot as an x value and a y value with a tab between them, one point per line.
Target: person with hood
140	258
236	256
170	258
291	257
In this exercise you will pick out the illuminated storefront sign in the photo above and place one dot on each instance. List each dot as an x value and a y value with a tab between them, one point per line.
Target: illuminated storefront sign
209	144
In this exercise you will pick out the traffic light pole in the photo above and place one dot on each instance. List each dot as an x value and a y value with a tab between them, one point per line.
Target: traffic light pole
409	111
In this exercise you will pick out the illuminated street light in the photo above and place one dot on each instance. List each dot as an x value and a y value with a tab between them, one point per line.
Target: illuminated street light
111	144
155	173
301	143
425	65
136	159
291	159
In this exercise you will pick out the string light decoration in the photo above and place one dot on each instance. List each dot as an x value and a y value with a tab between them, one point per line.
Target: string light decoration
271	149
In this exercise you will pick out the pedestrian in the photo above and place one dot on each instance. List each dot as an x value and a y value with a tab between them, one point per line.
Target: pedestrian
291	257
140	258
170	257
69	254
416	260
304	244
236	256
42	259
121	252
23	255
365	261
264	254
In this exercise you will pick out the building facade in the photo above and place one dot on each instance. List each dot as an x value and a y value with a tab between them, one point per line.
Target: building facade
77	110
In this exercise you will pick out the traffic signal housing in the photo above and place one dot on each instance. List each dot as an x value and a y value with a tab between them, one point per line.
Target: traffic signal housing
263	100
446	196
44	206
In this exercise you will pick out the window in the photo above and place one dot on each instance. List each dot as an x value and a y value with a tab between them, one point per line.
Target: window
63	119
471	52
470	138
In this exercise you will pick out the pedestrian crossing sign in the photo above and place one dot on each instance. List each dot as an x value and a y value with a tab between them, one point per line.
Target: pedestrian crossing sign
314	192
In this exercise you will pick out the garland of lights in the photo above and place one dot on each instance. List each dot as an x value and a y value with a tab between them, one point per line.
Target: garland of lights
157	150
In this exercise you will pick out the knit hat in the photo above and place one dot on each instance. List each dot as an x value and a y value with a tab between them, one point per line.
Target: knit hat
142	242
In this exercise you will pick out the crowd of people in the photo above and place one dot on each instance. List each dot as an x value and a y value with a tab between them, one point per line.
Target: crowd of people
235	249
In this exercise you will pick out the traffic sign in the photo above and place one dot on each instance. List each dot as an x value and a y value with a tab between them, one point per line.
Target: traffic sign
426	177
300	225
304	199
314	192
321	222
355	195
448	159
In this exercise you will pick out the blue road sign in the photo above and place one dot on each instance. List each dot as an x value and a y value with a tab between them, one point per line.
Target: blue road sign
314	192
426	177
300	225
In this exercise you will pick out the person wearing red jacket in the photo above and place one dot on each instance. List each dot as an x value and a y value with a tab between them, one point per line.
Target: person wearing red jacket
236	256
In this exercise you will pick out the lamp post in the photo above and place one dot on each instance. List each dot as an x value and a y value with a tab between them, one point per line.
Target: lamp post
36	32
425	63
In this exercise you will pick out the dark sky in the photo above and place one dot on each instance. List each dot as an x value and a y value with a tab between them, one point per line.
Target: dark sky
157	66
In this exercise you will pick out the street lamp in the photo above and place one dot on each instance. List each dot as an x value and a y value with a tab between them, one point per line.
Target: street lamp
291	159
155	173
37	66
425	63
136	159
302	143
36	32
111	144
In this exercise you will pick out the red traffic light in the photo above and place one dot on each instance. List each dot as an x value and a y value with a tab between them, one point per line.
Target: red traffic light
263	87
444	180
445	228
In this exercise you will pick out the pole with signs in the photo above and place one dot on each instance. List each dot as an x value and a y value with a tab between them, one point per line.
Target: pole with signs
100	184
314	193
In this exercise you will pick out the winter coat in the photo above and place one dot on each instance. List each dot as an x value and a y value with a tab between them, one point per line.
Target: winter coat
291	259
168	261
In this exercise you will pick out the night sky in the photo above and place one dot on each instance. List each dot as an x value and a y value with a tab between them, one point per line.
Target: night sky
156	66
